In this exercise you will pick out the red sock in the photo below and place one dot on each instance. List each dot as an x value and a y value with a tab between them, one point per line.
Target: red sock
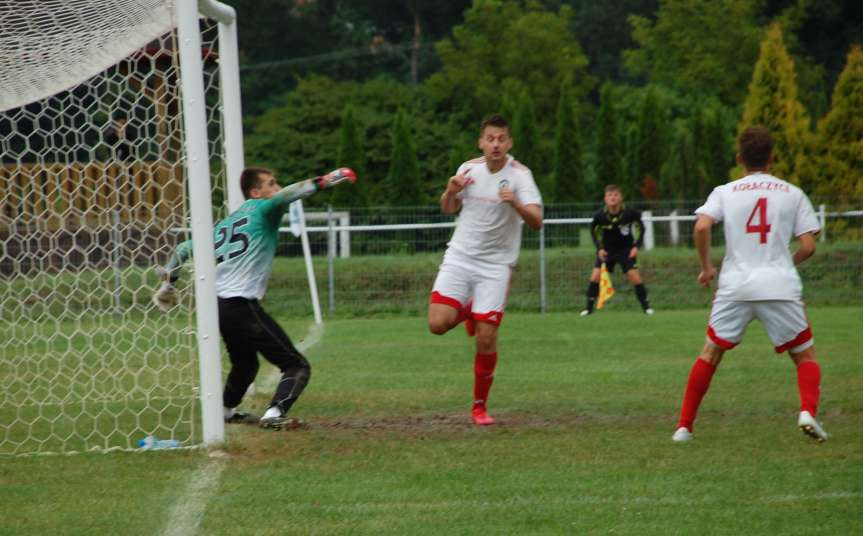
696	387
483	376
809	385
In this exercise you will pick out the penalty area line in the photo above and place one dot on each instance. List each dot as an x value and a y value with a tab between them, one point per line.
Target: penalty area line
188	512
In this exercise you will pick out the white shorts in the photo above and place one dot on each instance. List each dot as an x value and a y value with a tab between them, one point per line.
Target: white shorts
784	320
462	280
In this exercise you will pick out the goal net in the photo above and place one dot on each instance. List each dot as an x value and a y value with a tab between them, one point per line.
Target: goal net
98	157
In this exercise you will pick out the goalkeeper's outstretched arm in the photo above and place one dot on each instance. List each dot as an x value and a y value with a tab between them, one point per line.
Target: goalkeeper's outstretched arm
303	189
171	271
166	295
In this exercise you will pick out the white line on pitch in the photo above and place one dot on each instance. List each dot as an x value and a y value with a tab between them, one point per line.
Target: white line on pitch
189	510
192	503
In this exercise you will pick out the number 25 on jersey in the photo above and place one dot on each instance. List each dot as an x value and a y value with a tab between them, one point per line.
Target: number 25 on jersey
762	227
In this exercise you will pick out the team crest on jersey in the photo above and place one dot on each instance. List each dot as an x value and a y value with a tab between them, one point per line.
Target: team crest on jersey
624	231
503	183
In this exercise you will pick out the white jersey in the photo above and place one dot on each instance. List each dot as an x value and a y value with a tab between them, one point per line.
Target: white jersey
761	215
488	229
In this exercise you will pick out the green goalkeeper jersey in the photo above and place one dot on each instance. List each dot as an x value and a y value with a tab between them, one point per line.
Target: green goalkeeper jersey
245	243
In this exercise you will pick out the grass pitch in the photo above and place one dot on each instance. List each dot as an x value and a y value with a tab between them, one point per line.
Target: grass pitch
586	408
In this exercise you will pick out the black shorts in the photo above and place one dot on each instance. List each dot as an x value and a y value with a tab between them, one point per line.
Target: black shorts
618	257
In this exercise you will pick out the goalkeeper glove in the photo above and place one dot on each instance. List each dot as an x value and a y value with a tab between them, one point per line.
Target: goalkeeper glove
165	297
335	177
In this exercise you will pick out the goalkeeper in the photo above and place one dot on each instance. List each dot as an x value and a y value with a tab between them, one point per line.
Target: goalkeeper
245	245
617	233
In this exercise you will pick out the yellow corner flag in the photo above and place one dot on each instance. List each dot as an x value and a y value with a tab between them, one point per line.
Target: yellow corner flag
606	289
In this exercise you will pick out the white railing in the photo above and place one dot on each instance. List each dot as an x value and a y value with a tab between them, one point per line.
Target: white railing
344	228
340	235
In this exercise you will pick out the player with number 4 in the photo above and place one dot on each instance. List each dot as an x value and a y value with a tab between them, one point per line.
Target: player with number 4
760	214
245	245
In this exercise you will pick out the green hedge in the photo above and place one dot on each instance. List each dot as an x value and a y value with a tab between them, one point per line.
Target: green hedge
367	285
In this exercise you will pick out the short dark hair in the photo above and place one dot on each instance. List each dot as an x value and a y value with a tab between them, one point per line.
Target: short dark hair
494	120
755	145
251	178
612	188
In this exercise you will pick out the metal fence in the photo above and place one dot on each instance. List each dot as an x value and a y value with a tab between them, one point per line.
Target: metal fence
385	260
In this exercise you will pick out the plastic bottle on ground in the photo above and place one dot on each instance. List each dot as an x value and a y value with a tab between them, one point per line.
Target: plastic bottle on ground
152	443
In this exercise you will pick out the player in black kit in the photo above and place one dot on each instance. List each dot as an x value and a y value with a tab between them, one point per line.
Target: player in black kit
617	233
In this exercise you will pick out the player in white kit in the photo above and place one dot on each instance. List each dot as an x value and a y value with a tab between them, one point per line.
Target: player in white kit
494	193
760	214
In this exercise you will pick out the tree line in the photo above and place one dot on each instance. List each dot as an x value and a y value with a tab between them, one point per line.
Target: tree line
697	72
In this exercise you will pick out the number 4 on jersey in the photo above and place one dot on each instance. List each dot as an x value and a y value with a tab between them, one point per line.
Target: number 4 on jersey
763	227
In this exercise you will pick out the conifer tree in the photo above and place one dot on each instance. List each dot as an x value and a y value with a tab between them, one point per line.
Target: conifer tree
718	146
629	180
511	96
696	186
712	138
651	145
609	145
352	155
772	102
525	138
567	168
402	186
835	169
679	168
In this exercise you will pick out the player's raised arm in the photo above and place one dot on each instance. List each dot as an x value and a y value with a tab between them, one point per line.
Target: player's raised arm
166	295
449	201
531	214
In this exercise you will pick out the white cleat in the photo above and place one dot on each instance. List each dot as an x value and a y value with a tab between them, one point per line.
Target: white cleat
586	312
648	311
809	426
682	435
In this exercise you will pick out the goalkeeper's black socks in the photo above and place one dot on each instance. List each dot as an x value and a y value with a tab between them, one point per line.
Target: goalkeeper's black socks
641	294
592	294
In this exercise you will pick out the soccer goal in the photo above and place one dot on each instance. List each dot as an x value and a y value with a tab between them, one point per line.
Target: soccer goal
119	123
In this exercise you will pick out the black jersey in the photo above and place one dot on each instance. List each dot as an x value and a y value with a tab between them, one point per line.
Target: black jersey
617	232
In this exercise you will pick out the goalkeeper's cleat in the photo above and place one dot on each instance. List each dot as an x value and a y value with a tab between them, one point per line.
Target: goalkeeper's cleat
682	435
281	423
335	177
809	426
480	416
165	297
241	417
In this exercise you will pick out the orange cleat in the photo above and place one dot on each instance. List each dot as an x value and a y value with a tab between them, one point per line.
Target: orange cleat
480	416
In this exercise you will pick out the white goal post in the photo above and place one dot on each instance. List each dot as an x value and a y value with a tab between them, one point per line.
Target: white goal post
120	121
